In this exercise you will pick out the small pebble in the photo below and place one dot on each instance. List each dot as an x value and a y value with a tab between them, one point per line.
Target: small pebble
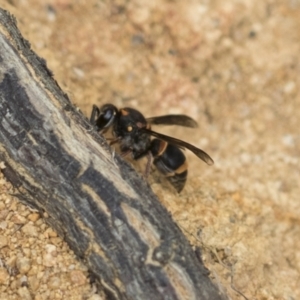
24	293
78	277
3	213
30	230
23	264
95	297
33	217
54	282
4	277
3	241
49	257
34	283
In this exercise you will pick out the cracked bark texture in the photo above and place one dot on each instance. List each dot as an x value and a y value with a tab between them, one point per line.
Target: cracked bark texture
105	211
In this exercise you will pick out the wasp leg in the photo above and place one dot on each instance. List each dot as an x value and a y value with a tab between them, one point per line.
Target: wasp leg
94	115
113	140
125	153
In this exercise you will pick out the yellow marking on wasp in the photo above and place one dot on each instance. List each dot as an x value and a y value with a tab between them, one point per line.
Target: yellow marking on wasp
162	147
129	128
182	168
124	112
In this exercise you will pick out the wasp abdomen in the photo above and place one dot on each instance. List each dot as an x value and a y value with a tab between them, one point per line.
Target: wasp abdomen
171	162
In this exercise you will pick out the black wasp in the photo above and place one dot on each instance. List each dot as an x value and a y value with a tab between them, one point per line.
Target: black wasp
133	132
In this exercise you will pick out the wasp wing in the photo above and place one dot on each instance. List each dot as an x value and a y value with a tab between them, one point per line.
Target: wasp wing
180	120
181	144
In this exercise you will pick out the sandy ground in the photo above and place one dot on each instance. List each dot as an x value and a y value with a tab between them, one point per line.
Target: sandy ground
231	65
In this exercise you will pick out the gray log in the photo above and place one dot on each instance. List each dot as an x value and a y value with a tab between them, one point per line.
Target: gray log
103	209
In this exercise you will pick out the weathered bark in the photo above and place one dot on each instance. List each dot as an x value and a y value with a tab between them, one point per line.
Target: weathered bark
105	211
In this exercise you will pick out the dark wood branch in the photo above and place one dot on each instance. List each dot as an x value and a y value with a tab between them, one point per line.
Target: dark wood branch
105	211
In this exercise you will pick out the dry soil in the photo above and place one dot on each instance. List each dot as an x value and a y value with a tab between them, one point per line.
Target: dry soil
234	67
